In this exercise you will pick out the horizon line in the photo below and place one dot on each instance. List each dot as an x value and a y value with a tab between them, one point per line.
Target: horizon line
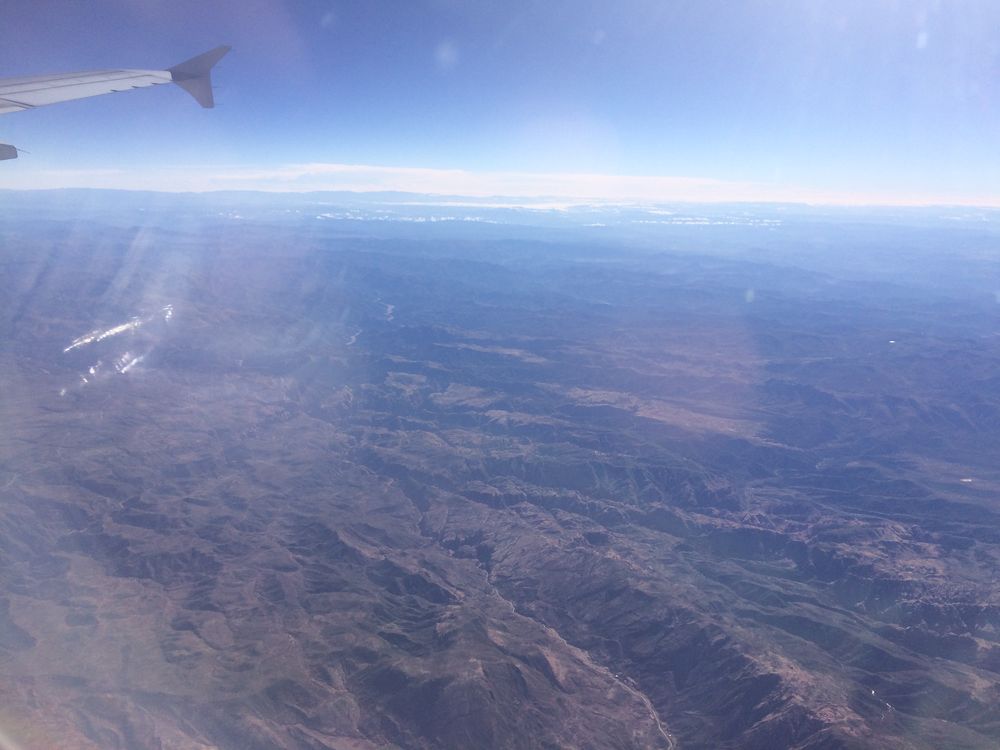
511	201
573	188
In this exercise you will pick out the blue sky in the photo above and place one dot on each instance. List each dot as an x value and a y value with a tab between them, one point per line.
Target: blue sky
840	101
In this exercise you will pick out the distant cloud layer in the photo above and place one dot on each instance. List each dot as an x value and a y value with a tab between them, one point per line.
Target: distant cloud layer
571	187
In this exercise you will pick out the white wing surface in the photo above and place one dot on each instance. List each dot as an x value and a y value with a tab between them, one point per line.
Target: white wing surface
17	94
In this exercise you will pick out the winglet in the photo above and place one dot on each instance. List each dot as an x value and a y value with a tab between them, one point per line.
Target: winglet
194	75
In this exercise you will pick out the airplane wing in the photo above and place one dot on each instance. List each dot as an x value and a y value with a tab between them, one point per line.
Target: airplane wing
18	94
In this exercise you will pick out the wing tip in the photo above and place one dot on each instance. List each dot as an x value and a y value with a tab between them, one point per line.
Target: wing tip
194	75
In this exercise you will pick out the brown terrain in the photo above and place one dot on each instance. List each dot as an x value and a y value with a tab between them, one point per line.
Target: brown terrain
345	492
